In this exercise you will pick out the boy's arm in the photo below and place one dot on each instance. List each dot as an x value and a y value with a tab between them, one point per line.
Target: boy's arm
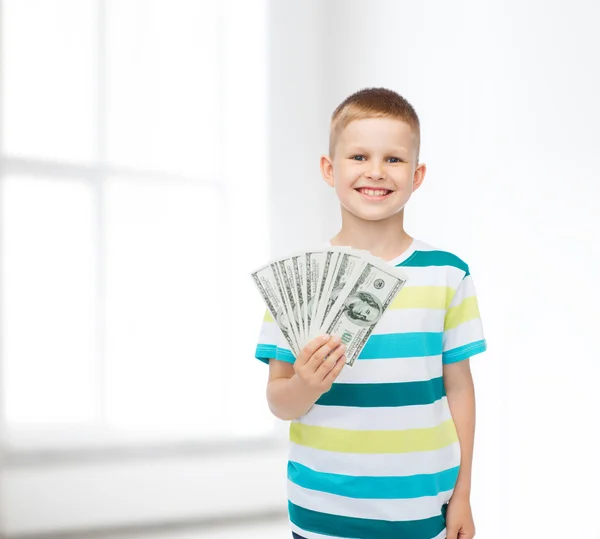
460	392
286	397
293	389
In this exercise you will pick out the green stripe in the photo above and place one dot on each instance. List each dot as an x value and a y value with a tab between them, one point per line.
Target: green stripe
435	258
339	526
384	394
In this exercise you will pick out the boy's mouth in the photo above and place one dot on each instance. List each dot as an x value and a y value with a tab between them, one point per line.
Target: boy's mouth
373	194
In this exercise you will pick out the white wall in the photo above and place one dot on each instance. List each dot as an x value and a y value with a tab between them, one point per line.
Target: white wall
298	120
507	96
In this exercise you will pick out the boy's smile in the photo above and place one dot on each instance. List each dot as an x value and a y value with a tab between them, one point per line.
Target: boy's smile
374	194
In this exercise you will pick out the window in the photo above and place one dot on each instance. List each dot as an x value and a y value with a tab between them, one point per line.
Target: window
133	206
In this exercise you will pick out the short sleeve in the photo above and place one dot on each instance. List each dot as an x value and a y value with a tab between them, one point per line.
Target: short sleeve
463	329
272	343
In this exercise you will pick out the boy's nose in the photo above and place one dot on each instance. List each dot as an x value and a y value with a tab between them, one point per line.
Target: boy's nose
376	173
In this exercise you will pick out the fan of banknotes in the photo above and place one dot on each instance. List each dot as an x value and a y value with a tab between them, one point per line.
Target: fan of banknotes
338	290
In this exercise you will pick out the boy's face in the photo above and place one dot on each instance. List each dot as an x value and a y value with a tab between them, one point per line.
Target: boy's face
377	153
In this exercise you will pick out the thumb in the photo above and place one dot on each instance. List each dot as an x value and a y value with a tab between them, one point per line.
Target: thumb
451	533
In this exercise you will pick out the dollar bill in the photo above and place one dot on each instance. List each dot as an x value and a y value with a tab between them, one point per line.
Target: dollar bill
264	279
299	282
340	290
361	304
348	268
290	288
324	273
314	261
286	293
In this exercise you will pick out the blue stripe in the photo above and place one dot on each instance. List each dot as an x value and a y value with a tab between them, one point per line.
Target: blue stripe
388	345
411	486
463	352
264	352
416	344
391	345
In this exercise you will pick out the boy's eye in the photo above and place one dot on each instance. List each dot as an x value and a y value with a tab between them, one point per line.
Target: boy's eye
358	157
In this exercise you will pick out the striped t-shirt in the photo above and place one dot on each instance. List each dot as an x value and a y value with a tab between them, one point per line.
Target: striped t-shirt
377	456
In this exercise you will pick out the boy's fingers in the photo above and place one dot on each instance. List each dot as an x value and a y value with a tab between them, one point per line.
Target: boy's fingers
319	356
308	351
333	373
331	360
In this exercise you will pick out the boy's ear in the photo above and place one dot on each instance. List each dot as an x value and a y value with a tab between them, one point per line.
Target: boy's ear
327	170
419	176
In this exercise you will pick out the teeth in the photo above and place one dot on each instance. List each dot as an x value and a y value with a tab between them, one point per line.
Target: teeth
373	192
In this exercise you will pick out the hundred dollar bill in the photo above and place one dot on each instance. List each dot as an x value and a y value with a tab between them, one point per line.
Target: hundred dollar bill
329	270
286	294
300	281
361	304
265	281
314	261
324	273
350	263
289	287
315	272
325	279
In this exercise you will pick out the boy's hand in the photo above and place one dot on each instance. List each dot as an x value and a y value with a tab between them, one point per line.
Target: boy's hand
459	519
320	362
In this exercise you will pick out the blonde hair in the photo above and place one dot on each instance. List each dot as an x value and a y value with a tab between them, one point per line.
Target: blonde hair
373	103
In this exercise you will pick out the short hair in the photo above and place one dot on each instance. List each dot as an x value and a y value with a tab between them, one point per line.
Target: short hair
373	103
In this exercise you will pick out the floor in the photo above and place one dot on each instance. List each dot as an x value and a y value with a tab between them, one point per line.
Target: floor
273	529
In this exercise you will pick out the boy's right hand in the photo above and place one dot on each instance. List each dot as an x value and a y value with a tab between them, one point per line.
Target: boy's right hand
311	367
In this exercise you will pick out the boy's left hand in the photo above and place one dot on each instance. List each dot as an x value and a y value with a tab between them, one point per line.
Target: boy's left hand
459	519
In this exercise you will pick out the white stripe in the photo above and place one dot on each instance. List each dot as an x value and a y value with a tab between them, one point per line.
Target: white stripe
390	418
377	464
465	289
397	509
465	333
433	275
271	334
393	369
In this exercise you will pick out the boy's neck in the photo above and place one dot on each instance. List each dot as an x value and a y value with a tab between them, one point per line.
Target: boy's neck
385	246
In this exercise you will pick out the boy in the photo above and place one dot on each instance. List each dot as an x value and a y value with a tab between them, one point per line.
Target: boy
382	450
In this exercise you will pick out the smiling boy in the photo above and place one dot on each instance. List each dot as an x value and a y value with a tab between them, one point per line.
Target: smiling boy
384	449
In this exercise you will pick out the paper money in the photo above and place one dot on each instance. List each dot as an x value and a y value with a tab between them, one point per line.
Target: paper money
361	304
339	290
265	281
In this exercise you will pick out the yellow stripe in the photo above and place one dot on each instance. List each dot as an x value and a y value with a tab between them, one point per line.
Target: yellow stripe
268	317
374	441
467	310
423	297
